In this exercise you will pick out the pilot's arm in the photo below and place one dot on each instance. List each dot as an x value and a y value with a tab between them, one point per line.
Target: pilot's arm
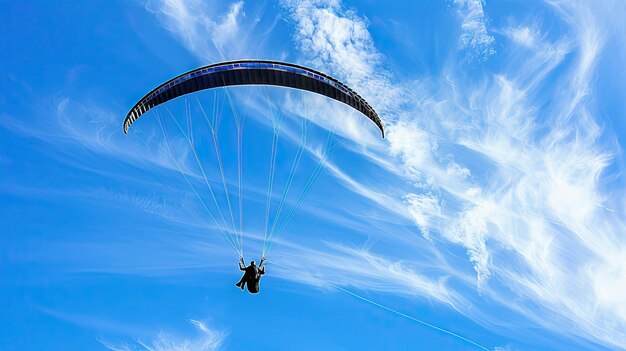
242	266
262	266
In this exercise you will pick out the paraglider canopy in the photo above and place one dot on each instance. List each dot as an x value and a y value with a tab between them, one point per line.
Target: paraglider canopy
252	72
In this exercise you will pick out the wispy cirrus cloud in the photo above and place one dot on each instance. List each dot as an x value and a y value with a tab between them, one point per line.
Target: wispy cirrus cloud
207	33
208	339
475	37
340	264
517	186
338	41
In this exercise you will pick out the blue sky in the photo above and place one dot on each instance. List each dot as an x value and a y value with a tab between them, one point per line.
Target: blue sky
494	209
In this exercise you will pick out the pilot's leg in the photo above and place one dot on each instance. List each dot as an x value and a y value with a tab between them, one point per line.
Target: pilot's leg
242	282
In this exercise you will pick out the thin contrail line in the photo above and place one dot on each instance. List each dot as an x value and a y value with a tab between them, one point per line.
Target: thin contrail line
385	307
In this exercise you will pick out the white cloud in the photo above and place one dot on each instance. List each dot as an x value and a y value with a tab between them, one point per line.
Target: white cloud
508	166
338	41
523	35
364	270
209	35
424	208
470	231
474	37
207	340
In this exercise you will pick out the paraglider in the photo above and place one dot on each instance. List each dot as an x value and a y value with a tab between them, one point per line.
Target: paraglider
252	275
246	73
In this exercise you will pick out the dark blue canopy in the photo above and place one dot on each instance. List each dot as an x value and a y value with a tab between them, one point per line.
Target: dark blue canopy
252	72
